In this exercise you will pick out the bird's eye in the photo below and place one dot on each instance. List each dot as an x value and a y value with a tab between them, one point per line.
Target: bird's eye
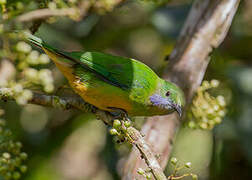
167	93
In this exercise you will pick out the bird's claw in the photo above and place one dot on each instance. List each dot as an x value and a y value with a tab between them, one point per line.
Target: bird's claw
120	114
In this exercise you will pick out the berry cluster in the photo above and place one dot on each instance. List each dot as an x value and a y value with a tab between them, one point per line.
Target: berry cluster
119	129
178	166
206	110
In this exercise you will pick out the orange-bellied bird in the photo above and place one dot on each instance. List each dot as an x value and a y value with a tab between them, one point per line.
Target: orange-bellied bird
115	84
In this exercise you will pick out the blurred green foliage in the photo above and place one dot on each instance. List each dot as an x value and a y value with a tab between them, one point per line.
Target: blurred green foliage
72	145
12	158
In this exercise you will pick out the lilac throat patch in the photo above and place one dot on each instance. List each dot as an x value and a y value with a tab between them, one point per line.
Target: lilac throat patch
158	100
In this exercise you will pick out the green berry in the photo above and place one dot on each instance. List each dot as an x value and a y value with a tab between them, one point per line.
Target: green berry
2	122
17	88
127	124
214	83
32	58
23	168
31	73
19	5
188	165
148	176
16	175
217	120
194	177
221	113
205	84
203	125
21	100
117	124
45	75
3	160
191	124
174	160
3	2
113	132
23	155
49	88
27	94
44	59
221	101
19	144
6	155
52	5
210	111
23	47
140	171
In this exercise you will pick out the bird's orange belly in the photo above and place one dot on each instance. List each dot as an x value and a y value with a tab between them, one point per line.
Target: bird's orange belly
101	96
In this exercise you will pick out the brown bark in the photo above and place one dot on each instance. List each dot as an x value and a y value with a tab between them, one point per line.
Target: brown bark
205	28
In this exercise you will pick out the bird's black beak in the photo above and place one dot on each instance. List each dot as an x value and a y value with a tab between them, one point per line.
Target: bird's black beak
178	108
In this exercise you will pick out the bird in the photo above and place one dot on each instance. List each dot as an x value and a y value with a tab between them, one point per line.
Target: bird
115	84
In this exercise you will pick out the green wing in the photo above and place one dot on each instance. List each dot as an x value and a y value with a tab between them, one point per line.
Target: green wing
119	71
122	72
112	68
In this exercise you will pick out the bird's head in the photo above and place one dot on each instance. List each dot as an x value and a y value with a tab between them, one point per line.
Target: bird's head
168	98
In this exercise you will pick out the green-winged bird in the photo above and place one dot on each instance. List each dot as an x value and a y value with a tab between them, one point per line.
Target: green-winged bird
115	84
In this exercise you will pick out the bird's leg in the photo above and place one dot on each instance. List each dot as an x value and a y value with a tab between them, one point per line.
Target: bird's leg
126	117
119	114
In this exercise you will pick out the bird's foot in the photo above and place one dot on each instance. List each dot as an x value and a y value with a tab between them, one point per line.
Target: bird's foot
118	113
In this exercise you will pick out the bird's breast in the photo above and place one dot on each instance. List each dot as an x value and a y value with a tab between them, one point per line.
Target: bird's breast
101	94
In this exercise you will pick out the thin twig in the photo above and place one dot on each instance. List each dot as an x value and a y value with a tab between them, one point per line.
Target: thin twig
146	153
45	13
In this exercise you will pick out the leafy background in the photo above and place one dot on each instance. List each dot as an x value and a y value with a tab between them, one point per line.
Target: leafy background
73	145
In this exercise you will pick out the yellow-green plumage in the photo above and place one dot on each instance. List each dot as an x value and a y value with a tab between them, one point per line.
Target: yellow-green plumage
111	82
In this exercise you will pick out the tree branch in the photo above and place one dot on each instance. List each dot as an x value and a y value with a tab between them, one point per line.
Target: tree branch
205	28
81	10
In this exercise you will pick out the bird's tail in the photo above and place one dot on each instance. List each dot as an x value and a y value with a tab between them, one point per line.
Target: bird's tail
39	42
50	51
34	40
